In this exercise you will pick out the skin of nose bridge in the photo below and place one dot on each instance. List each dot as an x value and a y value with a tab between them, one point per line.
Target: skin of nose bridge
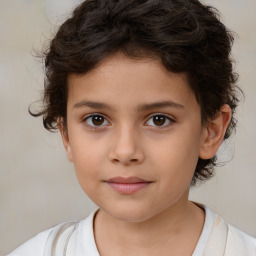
126	143
126	133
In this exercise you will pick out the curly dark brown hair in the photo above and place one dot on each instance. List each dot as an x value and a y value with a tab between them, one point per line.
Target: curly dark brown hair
185	35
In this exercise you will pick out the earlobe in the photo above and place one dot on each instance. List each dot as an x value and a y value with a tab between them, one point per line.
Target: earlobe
214	133
65	140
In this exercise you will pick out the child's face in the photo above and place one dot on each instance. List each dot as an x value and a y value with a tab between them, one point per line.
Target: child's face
133	119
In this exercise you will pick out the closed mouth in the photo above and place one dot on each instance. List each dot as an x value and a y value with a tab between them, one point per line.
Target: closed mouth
127	185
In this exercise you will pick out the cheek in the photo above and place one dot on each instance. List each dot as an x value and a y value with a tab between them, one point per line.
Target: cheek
86	147
175	165
86	158
86	166
177	157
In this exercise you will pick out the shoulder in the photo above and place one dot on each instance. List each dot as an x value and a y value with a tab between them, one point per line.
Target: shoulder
42	244
54	239
235	242
239	243
33	247
68	236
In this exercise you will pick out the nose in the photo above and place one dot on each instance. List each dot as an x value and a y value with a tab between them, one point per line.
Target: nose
126	149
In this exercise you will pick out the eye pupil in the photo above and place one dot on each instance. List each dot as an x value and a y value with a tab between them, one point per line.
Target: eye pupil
159	120
97	120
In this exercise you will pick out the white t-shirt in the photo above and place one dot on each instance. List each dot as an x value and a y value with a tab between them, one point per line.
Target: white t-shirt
85	244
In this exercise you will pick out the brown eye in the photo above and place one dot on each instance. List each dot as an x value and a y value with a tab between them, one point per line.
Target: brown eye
159	121
96	120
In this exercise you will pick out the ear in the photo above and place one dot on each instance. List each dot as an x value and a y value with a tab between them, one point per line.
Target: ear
65	139
214	133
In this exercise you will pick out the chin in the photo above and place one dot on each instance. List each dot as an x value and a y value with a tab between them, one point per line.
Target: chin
130	214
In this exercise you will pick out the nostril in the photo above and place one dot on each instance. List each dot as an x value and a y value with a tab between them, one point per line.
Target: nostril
125	161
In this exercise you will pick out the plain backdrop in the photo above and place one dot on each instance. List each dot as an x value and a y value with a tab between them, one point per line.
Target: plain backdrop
38	188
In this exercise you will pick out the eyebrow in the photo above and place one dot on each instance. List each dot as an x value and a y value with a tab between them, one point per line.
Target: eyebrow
140	108
92	104
162	104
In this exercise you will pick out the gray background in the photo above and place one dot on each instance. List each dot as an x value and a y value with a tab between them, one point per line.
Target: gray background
38	188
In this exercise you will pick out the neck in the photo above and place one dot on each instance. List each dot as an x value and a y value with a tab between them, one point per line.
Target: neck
175	226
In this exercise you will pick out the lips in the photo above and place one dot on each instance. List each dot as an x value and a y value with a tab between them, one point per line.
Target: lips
129	185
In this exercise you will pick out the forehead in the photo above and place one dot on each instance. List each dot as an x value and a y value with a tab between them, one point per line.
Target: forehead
124	81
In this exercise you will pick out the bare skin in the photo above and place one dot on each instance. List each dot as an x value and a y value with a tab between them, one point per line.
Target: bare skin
134	133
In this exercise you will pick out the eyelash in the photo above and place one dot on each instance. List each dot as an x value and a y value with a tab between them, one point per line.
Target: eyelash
168	119
93	115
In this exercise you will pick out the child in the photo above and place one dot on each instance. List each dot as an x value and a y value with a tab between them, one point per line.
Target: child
143	93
